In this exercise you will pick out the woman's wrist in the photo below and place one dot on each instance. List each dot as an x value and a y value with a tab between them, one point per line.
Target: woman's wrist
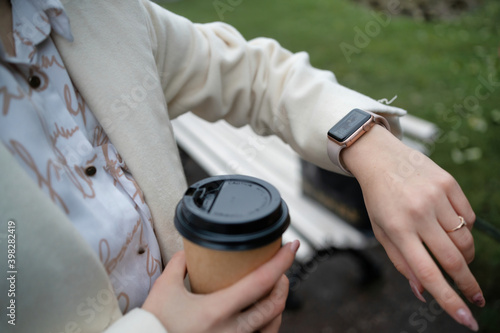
372	152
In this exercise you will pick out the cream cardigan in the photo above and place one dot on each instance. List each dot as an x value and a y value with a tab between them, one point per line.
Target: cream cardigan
138	66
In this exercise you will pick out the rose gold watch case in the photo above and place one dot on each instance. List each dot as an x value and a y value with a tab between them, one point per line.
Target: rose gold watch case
335	147
357	134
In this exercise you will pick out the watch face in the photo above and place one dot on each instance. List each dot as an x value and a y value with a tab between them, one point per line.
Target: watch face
348	125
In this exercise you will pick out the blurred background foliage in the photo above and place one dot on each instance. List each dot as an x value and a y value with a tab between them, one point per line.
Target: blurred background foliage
441	58
428	10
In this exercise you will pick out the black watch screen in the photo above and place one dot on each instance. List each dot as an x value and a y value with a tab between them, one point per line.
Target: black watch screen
348	125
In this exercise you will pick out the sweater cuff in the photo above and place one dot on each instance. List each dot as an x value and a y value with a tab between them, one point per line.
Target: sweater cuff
137	320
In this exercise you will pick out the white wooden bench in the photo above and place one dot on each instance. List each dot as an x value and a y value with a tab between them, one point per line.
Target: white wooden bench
222	149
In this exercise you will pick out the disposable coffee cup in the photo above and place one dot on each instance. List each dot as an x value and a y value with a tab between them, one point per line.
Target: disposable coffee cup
230	226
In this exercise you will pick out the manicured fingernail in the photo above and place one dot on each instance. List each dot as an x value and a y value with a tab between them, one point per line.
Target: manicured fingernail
294	246
478	299
417	292
466	319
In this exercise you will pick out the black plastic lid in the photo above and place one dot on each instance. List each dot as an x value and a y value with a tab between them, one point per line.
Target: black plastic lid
232	212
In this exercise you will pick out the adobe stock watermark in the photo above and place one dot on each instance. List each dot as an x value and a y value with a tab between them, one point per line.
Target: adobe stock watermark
470	109
11	272
406	168
299	273
470	105
421	318
250	148
249	322
120	109
223	6
371	30
131	100
88	310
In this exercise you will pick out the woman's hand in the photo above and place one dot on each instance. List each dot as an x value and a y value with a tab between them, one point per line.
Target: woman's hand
253	303
411	202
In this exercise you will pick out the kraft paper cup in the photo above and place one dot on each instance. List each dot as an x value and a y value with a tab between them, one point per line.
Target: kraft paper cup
230	226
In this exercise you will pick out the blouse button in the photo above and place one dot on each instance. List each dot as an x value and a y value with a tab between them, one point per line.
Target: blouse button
141	250
34	81
90	171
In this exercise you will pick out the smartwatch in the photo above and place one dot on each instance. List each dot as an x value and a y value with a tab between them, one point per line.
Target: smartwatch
348	130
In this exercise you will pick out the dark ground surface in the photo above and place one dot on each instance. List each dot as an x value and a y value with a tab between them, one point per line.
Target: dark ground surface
332	300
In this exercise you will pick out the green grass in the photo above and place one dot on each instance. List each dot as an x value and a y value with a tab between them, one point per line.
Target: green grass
432	67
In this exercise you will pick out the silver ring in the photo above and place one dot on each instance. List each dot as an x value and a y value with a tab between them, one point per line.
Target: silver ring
461	225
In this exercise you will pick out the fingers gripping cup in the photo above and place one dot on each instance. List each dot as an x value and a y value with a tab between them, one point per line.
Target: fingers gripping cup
230	226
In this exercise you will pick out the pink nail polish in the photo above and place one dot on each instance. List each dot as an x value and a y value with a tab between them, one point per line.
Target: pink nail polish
294	246
478	299
417	292
465	318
